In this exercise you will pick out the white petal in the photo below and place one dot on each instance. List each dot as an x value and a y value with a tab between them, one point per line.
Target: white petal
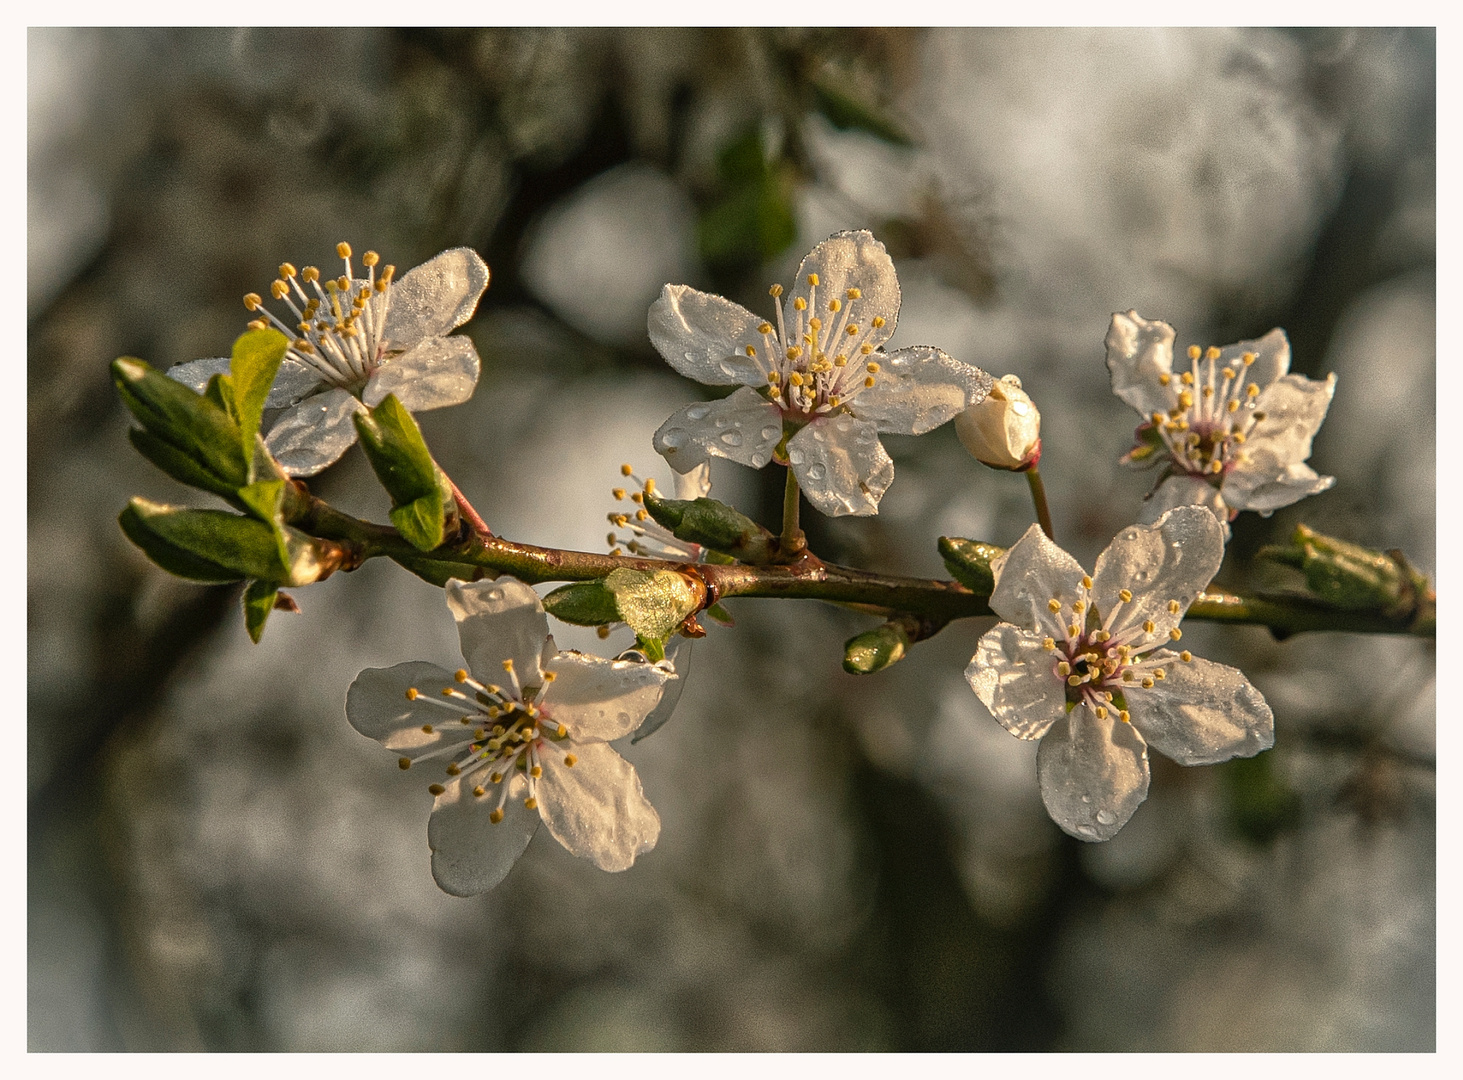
841	465
847	260
496	621
599	699
1138	353
1016	679
1171	560
744	428
1294	408
1093	774
678	655
313	434
195	374
1202	713
436	297
918	389
695	484
1272	357
294	382
1292	485
704	337
1032	573
378	707
1185	490
597	809
470	854
438	372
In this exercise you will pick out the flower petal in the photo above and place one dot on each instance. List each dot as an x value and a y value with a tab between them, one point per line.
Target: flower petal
841	465
378	707
705	337
1171	560
294	382
695	484
1032	573
1093	774
1202	713
678	655
597	808
599	699
1015	678
744	428
496	621
471	854
846	260
1139	352
918	389
1272	357
438	372
436	297
1292	485
1185	490
195	374
1294	408
315	433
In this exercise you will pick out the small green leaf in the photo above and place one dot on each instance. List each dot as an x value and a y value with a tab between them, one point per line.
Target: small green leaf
420	495
654	603
714	525
171	557
264	499
247	547
259	598
583	603
845	110
969	562
653	648
197	426
253	365
875	649
1349	576
177	464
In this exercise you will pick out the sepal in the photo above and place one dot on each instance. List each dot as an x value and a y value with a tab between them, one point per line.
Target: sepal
583	603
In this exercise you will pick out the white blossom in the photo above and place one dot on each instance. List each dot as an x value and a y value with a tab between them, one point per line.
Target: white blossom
531	746
1083	664
356	339
819	379
1233	431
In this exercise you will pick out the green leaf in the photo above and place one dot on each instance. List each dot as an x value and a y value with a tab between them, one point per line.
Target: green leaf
1349	576
177	464
265	499
583	603
259	598
439	572
969	562
196	426
174	559
653	603
247	547
845	110
220	391
420	495
713	525
252	367
875	649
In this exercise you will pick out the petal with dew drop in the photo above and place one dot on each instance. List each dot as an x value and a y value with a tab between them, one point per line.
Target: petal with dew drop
499	620
1015	678
846	260
705	337
380	706
841	465
918	389
470	852
436	297
599	699
1093	773
1139	355
1202	712
1034	572
314	433
436	373
596	808
743	427
1170	561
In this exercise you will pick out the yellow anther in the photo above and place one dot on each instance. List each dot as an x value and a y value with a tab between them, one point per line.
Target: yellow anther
480	791
1125	596
1211	353
878	321
1186	399
561	731
1216	467
1127	676
403	763
618	493
1159	673
626	470
794	352
602	632
1208	391
387	273
1252	391
776	290
868	382
1078	607
310	274
1164	379
873	367
301	345
851	329
1147	683
816	323
508	665
1174	607
447	691
642	515
570	760
536	772
853	294
460	674
866	348
765	328
1239	437
452	769
497	815
427	729
637	497
253	301
1248	358
343	250
436	789
751	350
1124	717
370	258
1186	656
1228	372
800	304
813	280
1175	634
1048	644
412	693
1074	680
1101	635
1064	668
1101	712
530	803
840	360
1148	626
1086	582
1187	378
835	304
1233	406
1073	630
278	289
1194	352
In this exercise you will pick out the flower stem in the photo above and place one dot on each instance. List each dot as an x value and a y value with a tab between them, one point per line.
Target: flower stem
465	508
792	540
1038	497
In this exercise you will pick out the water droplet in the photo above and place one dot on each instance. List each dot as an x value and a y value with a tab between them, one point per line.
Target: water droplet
795	456
1086	798
697	412
674	438
770	432
1130	535
728	369
732	438
1087	830
495	594
816	471
1106	817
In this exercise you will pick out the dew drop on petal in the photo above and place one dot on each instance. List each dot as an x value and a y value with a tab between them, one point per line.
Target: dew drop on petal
697	412
1130	535
1106	817
728	369
1087	830
1086	798
770	432
795	455
674	438
723	421
495	594
732	438
816	471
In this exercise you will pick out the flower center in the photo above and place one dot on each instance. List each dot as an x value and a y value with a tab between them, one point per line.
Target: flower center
1212	415
339	330
823	360
502	731
1099	659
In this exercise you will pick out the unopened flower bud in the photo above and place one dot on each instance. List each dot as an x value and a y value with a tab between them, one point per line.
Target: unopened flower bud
1003	430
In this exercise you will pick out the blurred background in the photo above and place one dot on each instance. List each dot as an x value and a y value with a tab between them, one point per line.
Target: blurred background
217	861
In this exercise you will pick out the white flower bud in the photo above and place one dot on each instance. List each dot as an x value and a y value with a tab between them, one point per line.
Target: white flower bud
1004	429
